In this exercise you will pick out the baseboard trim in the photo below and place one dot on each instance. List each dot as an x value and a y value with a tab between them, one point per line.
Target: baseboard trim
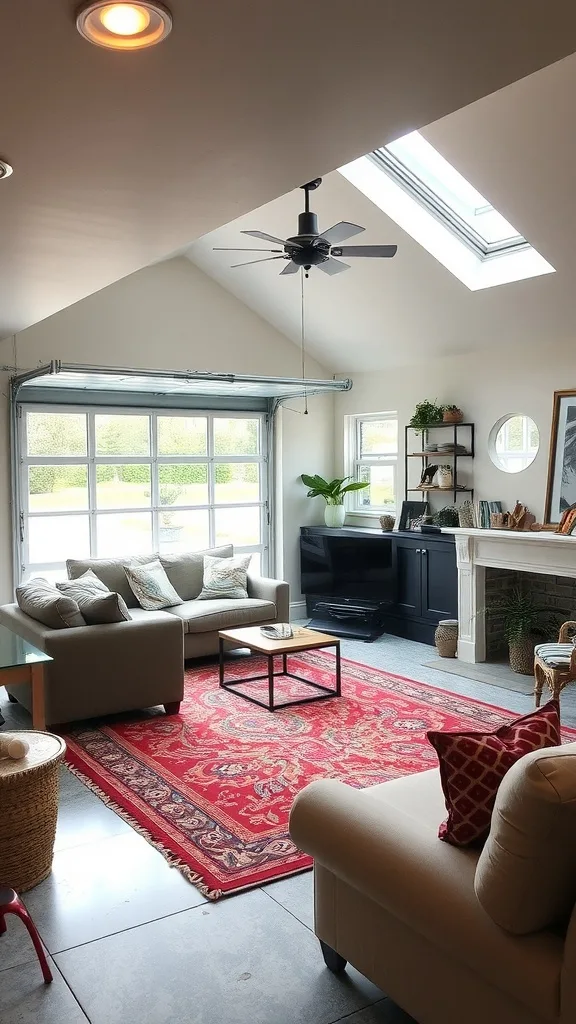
298	609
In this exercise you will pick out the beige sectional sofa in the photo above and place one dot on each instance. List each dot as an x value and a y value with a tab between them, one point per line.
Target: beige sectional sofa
122	666
454	936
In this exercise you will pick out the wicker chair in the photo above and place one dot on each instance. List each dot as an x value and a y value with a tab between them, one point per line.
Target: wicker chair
555	664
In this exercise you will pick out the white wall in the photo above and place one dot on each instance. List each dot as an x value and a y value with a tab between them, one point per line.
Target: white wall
172	316
486	386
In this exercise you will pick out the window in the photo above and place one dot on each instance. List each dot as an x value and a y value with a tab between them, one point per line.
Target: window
413	183
107	483
372	457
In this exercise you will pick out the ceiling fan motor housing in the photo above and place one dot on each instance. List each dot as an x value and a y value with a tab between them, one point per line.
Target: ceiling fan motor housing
310	248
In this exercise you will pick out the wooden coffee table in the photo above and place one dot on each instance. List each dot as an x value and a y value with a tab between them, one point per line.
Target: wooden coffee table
303	640
20	662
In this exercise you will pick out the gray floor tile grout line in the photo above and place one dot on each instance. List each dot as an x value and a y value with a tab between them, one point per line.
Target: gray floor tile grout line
132	927
292	914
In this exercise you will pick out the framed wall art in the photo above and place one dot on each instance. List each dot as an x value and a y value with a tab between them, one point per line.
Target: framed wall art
561	489
409	513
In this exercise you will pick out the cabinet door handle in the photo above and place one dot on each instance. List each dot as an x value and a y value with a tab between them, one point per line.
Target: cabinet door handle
418	551
424	551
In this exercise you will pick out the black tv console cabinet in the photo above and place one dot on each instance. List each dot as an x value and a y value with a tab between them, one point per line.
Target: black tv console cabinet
420	588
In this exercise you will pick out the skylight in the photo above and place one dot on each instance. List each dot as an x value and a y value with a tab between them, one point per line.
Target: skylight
412	182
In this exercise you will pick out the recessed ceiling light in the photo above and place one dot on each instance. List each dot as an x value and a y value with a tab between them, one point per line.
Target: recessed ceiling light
5	169
124	26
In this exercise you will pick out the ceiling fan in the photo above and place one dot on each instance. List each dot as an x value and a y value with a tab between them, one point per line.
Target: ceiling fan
309	248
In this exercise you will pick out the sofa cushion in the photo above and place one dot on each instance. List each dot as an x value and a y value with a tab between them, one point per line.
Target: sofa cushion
43	602
526	875
185	570
225	578
151	586
110	571
207	616
473	764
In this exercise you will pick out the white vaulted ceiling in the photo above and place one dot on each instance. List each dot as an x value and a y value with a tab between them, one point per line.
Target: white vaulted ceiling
121	158
517	147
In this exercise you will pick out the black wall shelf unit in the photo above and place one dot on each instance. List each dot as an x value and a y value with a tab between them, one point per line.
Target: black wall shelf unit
419	582
414	445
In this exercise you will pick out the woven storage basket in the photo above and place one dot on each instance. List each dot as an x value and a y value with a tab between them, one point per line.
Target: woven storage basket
28	811
446	638
522	656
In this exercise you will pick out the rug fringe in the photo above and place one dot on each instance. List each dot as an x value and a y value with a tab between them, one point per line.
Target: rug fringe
173	860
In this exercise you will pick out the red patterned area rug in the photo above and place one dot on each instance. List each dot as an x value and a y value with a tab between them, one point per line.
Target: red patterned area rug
212	787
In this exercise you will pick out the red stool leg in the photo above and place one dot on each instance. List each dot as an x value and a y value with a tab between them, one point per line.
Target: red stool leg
18	908
2	922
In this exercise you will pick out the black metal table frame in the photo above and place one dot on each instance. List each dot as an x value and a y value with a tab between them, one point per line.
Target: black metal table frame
271	675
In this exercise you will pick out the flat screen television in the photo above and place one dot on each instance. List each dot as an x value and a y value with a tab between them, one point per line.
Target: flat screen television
359	568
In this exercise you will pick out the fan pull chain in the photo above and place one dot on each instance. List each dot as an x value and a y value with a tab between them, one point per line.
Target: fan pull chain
302	334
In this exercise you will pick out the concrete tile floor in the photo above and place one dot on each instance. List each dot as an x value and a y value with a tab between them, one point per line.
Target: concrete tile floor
131	941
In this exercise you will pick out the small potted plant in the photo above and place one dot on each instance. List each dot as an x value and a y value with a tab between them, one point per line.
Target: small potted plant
524	624
452	414
426	414
333	492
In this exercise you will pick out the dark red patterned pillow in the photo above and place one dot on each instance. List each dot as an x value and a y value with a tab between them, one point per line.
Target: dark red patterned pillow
473	764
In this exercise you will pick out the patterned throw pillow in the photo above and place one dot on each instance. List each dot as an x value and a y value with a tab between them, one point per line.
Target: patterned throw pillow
225	578
473	764
151	586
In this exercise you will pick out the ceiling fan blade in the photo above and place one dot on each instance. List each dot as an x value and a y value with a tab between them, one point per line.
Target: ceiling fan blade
382	251
250	262
239	248
290	268
332	267
267	238
338	232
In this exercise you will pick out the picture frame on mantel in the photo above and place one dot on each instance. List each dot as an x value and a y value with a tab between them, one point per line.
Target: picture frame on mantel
410	510
561	486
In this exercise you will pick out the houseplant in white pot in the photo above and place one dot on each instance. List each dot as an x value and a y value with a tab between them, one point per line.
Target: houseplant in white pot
333	492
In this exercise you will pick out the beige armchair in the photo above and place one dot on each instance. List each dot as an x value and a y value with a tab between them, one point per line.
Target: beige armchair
453	936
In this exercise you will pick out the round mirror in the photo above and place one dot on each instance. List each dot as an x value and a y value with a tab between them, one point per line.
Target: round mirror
513	443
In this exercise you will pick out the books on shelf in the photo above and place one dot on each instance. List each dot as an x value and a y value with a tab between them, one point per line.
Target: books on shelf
483	511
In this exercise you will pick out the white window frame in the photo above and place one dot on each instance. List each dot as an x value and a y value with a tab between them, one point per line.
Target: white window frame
384	180
24	461
353	462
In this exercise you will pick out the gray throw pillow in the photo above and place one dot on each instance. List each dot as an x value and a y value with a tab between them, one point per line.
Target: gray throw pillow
43	602
99	609
151	586
97	603
225	578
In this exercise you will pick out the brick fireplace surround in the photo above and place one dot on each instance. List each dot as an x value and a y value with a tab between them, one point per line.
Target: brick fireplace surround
548	554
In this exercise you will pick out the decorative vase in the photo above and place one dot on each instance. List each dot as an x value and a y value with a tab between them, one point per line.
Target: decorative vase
387	523
334	515
446	638
522	655
444	478
452	416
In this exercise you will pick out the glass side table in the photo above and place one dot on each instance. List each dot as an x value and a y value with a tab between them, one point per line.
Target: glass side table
20	662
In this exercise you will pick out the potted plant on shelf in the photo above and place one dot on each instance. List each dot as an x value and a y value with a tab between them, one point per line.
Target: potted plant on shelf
524	624
333	492
452	414
426	414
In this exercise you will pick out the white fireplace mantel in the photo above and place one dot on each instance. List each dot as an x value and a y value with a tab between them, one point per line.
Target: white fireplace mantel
541	552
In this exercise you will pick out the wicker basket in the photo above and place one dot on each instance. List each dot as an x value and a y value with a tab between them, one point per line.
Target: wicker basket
522	656
446	638
28	811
